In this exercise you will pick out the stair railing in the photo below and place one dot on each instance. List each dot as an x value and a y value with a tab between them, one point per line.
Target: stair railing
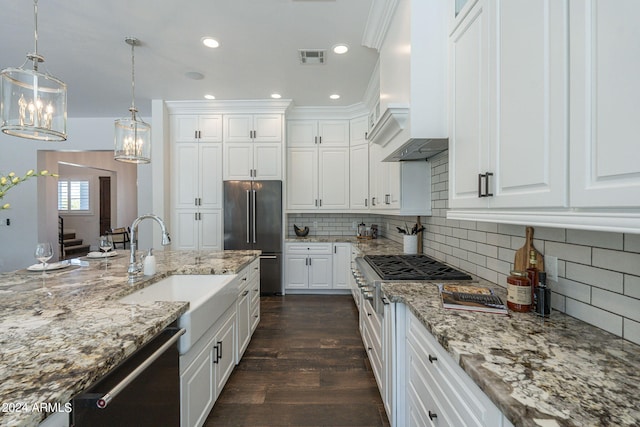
63	255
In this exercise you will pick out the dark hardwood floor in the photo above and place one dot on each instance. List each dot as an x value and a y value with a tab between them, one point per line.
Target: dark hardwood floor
305	366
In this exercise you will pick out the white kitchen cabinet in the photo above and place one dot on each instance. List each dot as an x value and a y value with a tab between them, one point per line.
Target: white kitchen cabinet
204	375
358	164
308	266
243	308
196	182
201	128
384	181
252	146
252	127
437	391
249	161
196	175
254	292
506	153
341	265
197	229
604	93
317	164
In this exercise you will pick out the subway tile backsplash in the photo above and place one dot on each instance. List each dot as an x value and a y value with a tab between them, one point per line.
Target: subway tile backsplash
599	272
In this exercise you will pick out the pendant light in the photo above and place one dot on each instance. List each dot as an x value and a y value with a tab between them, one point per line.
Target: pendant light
132	135
34	104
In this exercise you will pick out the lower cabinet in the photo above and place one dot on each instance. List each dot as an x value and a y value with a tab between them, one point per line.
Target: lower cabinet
206	367
317	267
202	381
433	389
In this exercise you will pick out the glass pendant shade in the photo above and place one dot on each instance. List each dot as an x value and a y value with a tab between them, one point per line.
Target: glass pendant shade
132	140
132	135
33	105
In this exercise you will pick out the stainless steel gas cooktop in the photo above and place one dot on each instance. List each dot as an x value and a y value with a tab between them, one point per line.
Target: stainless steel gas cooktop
412	267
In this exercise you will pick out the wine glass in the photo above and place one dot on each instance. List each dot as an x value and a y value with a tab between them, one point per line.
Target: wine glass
106	244
43	253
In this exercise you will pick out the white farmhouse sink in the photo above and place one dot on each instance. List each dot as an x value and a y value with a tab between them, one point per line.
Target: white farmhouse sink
209	296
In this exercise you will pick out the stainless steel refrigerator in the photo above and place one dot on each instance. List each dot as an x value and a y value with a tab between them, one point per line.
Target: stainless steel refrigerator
253	220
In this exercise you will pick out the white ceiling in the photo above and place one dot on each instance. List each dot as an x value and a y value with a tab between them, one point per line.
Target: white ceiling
83	45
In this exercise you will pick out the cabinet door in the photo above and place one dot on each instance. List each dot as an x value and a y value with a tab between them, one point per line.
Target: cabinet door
238	161
334	133
267	127
185	178
374	176
358	131
341	265
302	133
468	133
238	127
209	229
210	177
184	128
529	103
196	390
244	323
225	354
296	272
302	178
392	185
320	272
334	176
359	176
186	224
210	127
267	160
604	92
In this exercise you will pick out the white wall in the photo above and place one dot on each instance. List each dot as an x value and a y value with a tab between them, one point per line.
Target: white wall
29	223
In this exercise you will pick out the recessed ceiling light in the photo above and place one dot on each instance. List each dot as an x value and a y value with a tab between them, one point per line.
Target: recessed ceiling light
340	49
208	96
210	42
276	96
334	96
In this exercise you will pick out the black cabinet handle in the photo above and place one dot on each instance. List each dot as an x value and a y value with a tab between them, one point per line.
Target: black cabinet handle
216	358
432	415
432	358
220	350
486	192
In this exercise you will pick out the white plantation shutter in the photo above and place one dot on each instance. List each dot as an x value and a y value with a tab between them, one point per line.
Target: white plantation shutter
73	195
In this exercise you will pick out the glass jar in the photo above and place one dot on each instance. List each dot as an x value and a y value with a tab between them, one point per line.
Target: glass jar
519	292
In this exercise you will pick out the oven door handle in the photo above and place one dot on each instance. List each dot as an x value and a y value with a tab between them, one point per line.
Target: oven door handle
103	401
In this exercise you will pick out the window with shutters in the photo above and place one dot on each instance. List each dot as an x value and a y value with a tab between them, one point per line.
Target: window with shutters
73	196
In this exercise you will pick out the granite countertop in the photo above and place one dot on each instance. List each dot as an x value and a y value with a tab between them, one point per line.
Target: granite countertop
61	334
560	370
379	246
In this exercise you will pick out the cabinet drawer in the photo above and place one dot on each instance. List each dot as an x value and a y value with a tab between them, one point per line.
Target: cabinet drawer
454	387
309	248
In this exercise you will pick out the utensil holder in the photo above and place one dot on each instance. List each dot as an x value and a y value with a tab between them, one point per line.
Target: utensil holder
410	244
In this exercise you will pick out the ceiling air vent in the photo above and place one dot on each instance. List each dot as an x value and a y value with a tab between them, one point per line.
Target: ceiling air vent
312	56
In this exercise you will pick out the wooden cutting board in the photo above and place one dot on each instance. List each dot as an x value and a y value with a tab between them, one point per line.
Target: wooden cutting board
521	260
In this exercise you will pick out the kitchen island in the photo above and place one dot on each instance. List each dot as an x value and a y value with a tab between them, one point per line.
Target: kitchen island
61	333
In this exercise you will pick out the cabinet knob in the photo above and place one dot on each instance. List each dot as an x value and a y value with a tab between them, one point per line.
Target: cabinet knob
432	358
432	415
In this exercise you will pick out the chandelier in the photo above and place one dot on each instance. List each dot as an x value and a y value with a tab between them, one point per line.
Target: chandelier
33	104
132	135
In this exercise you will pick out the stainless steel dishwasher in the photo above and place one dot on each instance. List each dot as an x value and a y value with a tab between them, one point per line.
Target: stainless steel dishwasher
144	390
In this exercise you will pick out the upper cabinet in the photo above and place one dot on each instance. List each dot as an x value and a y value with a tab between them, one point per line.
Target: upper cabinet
542	119
359	164
318	164
253	127
201	128
253	146
605	110
505	152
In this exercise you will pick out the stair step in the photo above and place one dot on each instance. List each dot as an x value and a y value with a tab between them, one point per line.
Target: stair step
76	249
72	242
68	235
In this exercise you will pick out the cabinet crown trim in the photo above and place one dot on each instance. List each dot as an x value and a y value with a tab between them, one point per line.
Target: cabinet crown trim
256	106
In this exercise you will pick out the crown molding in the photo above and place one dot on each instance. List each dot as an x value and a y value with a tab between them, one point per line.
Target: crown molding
378	21
279	106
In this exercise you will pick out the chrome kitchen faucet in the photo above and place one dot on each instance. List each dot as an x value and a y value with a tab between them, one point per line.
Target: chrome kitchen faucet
134	268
